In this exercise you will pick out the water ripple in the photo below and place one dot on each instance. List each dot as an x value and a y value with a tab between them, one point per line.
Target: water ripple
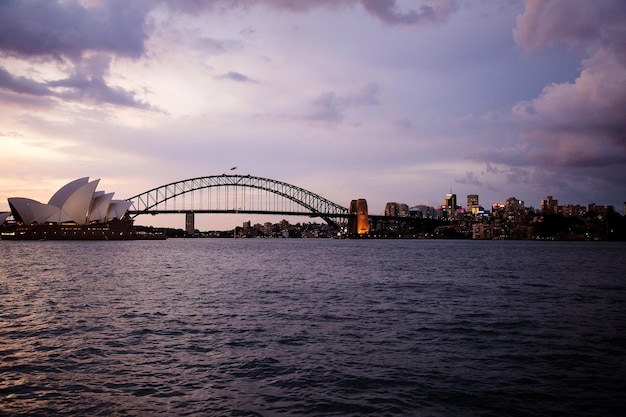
312	328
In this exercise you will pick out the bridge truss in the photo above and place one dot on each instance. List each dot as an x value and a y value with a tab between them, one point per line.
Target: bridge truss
237	194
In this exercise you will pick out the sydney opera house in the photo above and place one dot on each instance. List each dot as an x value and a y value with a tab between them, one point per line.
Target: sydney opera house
75	211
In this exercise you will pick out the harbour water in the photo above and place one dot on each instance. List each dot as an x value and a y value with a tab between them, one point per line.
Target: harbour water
312	327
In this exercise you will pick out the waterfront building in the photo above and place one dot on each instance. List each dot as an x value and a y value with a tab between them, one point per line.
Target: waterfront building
577	210
497	210
75	212
416	212
549	205
392	209
598	211
77	202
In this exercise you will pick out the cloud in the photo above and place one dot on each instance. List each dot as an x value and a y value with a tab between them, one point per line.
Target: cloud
69	31
544	22
236	76
87	82
22	85
330	107
470	178
74	32
571	127
388	11
68	28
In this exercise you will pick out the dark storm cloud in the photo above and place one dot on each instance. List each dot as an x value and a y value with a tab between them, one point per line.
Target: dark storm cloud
68	29
571	129
65	31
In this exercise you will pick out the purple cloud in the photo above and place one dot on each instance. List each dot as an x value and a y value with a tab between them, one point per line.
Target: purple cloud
330	107
87	82
469	178
571	129
387	11
35	29
236	76
68	29
22	85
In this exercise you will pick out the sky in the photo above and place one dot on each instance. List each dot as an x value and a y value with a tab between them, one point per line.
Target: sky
387	100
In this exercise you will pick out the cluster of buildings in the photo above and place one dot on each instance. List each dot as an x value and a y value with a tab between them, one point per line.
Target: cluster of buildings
513	219
510	220
450	210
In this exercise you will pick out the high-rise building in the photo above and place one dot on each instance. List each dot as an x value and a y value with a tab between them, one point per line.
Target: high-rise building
472	203
450	202
549	205
449	205
514	208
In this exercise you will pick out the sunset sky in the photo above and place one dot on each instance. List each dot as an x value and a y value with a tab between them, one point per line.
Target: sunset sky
378	99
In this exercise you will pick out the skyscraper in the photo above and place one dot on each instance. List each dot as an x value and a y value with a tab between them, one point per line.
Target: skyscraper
449	205
472	203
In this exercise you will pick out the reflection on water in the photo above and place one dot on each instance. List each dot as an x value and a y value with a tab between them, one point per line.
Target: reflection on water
312	327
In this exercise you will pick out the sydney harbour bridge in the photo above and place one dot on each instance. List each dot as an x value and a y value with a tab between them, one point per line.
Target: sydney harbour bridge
238	194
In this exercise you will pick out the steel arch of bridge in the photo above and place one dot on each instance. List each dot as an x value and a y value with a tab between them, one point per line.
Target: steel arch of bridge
234	199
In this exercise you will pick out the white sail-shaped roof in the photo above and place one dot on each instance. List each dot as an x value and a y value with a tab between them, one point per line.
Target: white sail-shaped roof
100	207
77	201
59	198
32	211
77	205
118	208
3	217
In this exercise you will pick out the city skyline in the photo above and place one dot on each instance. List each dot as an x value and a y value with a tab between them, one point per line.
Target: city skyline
386	101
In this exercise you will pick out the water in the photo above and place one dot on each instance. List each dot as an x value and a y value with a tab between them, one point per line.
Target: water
312	328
